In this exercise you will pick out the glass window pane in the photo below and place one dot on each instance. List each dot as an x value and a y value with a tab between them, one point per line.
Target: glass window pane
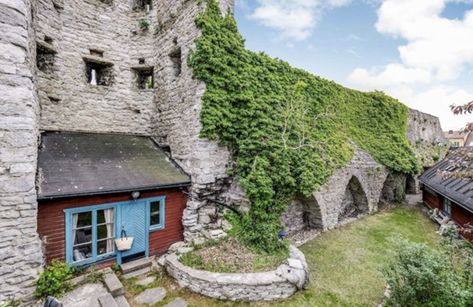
155	213
105	216
105	247
105	231
82	252
82	235
82	219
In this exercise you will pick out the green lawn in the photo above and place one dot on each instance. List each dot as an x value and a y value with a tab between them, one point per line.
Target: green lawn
344	263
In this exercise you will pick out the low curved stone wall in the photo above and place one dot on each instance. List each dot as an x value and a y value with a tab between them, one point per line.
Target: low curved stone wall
279	284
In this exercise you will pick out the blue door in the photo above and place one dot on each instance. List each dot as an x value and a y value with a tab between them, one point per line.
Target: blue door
133	221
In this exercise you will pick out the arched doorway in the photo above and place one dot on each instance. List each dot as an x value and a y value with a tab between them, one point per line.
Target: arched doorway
303	213
354	201
394	189
411	185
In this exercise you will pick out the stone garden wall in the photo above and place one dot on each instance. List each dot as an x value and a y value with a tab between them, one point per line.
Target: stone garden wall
279	284
20	249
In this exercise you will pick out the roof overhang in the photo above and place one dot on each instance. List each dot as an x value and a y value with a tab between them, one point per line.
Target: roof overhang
72	164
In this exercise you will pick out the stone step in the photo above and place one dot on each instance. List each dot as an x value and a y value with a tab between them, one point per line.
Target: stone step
136	265
107	300
137	273
113	284
121	301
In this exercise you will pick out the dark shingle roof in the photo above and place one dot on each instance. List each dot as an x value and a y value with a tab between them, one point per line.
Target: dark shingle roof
451	177
73	164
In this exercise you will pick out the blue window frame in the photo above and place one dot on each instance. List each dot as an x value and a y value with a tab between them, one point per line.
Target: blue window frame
156	208
90	234
90	231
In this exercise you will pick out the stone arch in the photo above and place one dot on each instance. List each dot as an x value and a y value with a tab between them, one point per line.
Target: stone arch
312	214
411	184
354	201
394	188
302	213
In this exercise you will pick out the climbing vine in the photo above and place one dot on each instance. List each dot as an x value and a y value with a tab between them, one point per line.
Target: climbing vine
287	130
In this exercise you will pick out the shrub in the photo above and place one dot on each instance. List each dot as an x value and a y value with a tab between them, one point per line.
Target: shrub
53	281
421	276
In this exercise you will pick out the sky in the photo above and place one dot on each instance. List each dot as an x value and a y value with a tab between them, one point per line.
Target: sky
418	51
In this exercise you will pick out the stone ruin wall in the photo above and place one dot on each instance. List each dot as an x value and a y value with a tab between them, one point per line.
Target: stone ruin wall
425	128
429	143
74	28
178	121
20	248
377	184
324	209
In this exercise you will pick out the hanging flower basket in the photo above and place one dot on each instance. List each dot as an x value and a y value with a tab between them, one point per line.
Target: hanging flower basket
124	243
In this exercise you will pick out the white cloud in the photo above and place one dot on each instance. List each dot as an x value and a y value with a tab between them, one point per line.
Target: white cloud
435	53
435	44
378	78
294	19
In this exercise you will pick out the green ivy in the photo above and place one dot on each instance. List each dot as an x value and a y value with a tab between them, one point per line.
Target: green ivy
288	130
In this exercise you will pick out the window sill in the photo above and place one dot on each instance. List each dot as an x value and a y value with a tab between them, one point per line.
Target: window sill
100	259
156	228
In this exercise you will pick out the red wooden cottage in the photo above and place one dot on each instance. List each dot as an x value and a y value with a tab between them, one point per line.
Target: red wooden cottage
448	187
93	186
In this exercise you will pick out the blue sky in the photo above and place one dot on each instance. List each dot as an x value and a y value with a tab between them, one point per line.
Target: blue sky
419	51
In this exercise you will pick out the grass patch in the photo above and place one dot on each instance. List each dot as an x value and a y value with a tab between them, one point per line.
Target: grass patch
345	263
229	256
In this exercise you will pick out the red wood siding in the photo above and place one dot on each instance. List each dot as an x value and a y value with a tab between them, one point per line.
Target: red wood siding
462	217
433	201
51	220
160	240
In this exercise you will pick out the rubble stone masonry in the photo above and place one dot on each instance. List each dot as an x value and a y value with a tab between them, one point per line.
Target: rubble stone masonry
20	249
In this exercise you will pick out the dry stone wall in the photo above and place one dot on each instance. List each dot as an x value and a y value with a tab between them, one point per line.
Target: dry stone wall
20	249
267	286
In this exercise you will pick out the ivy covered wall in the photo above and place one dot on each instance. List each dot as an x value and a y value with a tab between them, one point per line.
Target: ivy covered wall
287	130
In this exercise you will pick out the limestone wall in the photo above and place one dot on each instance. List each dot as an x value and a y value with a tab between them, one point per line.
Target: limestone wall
74	28
267	286
424	128
179	102
351	191
20	250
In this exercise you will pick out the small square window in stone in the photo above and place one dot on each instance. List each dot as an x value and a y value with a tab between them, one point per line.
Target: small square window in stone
144	79
143	5
45	56
176	61
99	73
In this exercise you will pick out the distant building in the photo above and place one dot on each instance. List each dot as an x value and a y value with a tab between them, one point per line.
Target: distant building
459	138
